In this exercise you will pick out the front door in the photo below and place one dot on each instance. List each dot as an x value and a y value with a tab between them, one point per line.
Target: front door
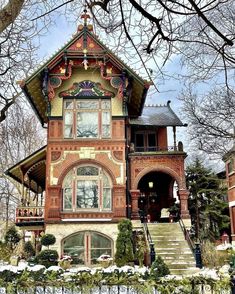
150	206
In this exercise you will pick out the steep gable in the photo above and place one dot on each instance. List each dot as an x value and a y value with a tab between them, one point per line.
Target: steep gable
85	51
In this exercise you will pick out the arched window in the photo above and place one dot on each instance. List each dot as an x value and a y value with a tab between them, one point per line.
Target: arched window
86	188
86	247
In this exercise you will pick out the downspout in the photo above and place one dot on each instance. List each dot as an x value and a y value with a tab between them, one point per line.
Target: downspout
126	93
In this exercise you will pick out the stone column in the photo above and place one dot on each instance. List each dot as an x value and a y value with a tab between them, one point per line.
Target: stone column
135	194
183	195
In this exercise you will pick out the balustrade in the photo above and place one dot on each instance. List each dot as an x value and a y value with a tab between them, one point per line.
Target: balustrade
29	213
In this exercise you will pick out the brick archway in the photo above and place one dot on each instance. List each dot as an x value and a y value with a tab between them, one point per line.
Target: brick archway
180	181
85	162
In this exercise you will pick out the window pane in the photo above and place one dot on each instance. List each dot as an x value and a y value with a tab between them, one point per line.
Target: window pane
74	246
68	124
151	142
105	117
88	104
87	171
87	124
68	105
87	194
106	131
105	104
67	198
68	119
99	241
68	131
139	140
106	182
107	198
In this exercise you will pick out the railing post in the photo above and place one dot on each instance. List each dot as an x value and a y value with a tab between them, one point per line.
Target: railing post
152	253
198	255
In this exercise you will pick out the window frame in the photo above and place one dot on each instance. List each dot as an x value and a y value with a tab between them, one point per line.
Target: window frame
146	147
87	246
74	189
100	117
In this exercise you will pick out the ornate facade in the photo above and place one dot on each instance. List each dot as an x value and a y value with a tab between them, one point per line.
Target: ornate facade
107	155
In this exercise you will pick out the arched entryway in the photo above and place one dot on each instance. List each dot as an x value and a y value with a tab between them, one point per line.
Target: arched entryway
157	194
86	246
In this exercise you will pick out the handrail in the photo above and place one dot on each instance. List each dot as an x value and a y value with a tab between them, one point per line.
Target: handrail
186	235
148	236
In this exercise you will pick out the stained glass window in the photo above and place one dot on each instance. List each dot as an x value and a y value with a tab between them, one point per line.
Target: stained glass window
87	171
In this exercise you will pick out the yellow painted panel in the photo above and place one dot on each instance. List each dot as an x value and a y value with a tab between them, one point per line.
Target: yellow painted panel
80	75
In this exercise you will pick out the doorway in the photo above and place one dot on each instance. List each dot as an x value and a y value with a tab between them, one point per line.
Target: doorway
156	194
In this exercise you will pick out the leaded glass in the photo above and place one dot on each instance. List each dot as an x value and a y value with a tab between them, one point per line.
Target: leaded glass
87	194
67	198
88	105
107	198
105	124
68	124
106	182
68	104
87	124
105	104
87	171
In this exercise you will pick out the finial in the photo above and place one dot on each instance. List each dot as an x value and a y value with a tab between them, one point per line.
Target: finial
85	16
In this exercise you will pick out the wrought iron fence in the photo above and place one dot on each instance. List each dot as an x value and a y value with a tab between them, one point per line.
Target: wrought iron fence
113	289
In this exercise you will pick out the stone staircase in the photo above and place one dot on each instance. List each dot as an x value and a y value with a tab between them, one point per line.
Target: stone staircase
170	244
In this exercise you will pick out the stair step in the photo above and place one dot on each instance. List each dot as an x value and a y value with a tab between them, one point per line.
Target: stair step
169	242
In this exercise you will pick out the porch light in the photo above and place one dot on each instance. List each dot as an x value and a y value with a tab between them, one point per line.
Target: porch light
150	184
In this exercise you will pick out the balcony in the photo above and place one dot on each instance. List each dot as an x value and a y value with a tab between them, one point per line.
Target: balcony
158	149
29	216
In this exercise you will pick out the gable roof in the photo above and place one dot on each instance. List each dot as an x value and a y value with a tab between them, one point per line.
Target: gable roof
74	50
157	115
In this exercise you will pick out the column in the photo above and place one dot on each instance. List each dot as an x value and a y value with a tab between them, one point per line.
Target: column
183	195
135	194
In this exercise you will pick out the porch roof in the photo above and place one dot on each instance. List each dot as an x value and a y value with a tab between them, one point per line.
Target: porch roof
31	171
157	115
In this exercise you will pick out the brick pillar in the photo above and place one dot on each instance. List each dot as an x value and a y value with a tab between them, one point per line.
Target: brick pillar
135	194
232	222
183	195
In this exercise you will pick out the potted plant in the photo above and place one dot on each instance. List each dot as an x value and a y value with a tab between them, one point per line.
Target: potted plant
105	260
65	262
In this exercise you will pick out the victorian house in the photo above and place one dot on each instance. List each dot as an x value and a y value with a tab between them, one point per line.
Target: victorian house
107	155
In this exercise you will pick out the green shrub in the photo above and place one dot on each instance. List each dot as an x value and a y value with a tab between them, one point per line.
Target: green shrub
212	257
159	268
48	257
12	238
48	239
5	252
29	249
124	245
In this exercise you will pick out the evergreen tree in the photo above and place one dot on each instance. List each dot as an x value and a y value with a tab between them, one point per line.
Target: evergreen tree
124	245
208	209
12	238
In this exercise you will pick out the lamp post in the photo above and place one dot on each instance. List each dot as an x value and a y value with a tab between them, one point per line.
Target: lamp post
192	178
